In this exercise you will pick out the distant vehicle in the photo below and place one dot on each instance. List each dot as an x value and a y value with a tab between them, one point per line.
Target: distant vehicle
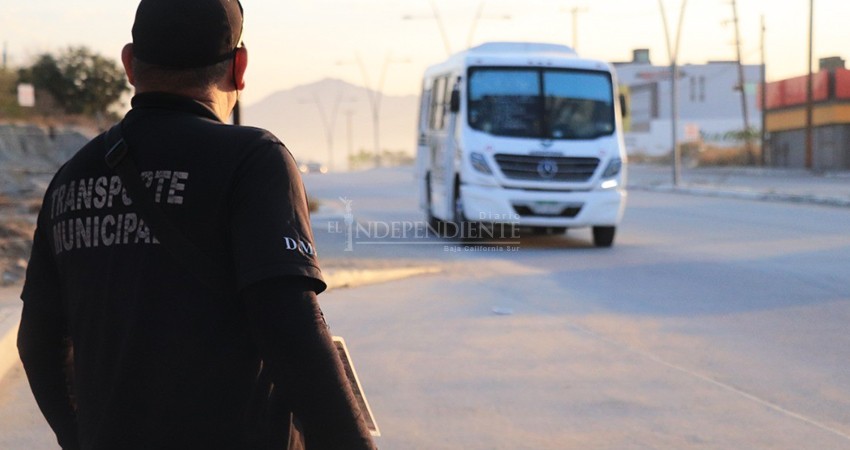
521	133
313	167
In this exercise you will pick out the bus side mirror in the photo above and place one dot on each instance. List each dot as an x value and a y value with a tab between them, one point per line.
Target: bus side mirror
454	103
624	111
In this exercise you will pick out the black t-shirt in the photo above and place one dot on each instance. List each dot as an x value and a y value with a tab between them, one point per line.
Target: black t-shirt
161	360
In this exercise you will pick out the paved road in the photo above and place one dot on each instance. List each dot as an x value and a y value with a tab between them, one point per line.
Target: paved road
713	323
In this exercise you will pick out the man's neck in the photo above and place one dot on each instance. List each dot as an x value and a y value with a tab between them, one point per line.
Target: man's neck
218	101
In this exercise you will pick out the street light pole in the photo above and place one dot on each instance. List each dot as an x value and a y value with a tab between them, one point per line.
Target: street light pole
328	122
350	147
575	12
375	97
764	159
673	52
478	16
809	93
440	24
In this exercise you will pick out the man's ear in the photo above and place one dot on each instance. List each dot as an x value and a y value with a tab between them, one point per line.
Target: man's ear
240	62
127	60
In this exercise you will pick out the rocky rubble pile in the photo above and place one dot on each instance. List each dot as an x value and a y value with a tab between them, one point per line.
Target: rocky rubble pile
29	155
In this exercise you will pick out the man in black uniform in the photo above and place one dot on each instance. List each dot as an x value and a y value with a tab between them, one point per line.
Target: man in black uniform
163	359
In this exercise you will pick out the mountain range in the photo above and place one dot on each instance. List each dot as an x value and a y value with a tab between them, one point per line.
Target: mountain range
303	118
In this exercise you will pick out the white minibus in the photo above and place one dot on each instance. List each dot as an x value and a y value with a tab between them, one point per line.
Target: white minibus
524	134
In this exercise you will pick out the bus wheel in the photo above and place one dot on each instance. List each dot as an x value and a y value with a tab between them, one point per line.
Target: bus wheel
465	230
603	236
433	222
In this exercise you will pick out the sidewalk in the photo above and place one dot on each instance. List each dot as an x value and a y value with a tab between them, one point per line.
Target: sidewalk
10	315
765	184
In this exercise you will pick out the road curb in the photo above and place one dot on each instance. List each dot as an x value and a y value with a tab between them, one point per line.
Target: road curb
748	195
10	318
347	278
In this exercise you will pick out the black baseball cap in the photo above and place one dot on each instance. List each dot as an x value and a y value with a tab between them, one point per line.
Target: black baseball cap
185	34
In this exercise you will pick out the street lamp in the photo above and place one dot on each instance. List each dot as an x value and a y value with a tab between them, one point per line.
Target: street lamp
478	16
809	156
348	137
673	53
440	24
328	121
575	11
375	95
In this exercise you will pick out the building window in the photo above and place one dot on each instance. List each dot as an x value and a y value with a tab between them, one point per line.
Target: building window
693	84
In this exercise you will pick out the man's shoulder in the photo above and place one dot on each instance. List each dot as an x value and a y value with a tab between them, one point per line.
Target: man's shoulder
254	135
231	137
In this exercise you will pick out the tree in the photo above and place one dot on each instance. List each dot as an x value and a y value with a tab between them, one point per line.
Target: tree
8	93
81	81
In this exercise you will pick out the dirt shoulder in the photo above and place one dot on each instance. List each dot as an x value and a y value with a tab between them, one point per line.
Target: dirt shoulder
20	202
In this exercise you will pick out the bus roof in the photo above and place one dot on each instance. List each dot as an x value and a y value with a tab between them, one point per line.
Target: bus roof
523	48
529	54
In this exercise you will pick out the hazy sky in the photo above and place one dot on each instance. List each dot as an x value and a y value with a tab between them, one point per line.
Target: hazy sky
299	41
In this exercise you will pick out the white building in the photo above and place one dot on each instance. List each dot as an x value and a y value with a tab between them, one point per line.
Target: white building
710	106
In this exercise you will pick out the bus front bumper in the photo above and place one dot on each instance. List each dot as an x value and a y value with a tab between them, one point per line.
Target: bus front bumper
543	208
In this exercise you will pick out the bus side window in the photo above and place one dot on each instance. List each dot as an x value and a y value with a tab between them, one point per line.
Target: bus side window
447	99
437	103
425	110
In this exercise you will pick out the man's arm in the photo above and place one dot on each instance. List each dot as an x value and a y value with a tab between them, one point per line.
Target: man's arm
43	349
295	344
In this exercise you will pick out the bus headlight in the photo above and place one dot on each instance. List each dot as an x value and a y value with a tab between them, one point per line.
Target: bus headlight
479	163
609	184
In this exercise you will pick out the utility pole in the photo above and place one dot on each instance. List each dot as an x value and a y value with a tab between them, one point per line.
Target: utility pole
673	53
809	92
742	84
764	159
350	147
575	12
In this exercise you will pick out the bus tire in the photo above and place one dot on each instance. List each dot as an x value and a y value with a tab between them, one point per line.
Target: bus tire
604	236
433	222
466	230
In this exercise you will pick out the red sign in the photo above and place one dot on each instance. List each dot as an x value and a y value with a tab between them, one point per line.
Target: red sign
792	91
775	93
842	83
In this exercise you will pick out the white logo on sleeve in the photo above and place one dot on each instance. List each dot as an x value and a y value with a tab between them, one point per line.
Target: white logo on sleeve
297	245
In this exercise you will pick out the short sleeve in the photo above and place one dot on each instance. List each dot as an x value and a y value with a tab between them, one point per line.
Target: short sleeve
270	220
42	285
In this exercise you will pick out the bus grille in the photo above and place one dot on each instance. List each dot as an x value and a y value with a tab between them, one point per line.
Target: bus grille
547	168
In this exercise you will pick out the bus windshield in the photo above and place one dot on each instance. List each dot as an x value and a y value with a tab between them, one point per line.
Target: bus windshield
540	103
